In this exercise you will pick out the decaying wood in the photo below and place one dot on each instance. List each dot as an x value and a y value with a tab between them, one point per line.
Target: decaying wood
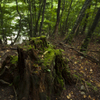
40	72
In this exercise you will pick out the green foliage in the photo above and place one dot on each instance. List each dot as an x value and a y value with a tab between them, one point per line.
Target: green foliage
14	59
9	16
95	88
88	83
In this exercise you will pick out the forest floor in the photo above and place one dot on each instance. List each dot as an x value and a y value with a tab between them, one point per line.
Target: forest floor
84	69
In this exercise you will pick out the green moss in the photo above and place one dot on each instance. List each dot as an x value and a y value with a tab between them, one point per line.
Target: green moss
14	59
60	81
48	57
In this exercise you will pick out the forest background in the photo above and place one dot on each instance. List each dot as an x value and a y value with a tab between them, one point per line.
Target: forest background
31	18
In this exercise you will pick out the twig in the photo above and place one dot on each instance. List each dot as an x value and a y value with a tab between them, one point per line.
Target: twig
15	93
86	86
82	54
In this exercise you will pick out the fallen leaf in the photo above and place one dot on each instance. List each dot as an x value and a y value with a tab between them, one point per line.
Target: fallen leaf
85	68
98	84
89	97
71	92
82	71
84	96
2	90
69	96
45	52
81	67
91	81
75	62
91	70
8	50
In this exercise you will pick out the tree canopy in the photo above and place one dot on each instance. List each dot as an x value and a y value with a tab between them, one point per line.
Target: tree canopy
38	17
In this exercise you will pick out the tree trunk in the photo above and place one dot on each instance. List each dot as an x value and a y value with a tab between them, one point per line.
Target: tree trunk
0	41
55	32
20	25
42	16
66	22
31	19
85	22
36	25
63	7
90	32
38	72
78	21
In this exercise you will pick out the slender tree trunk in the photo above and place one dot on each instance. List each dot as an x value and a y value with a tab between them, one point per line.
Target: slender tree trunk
36	25
90	32
78	21
35	12
51	4
20	25
66	22
0	41
42	17
31	19
58	19
63	7
2	22
85	22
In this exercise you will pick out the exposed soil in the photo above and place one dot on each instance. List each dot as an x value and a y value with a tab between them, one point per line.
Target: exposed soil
86	72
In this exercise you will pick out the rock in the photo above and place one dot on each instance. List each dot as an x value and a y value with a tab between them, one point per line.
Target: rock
82	57
83	93
82	88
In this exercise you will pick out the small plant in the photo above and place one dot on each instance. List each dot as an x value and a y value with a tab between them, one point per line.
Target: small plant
86	62
14	59
88	83
78	61
76	76
11	84
95	88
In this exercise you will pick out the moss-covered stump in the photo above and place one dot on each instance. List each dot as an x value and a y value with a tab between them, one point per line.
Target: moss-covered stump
39	72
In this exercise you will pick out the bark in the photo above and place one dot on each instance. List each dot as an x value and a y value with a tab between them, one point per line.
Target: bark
90	32
31	19
55	32
37	22
63	7
85	22
0	41
2	25
20	25
66	22
78	21
42	16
